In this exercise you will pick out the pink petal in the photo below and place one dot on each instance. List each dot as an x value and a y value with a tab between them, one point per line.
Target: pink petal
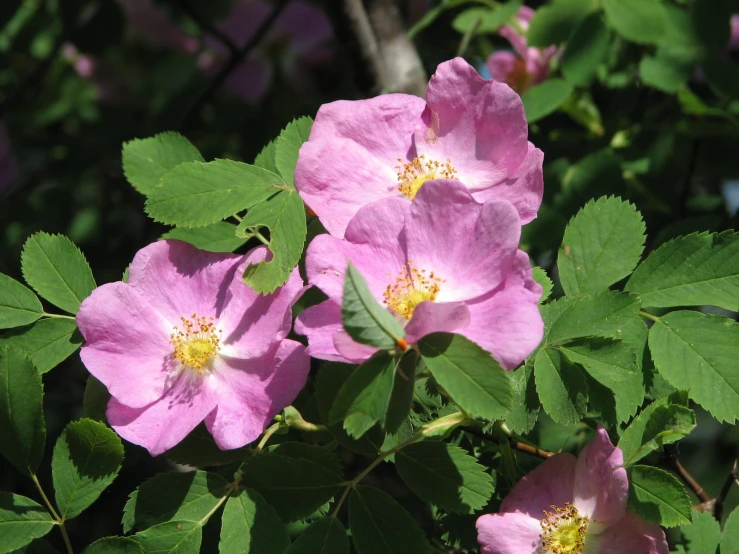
514	36
601	484
630	535
250	81
320	323
164	423
503	65
507	323
127	344
468	245
251	392
478	125
508	534
524	190
550	484
352	351
436	317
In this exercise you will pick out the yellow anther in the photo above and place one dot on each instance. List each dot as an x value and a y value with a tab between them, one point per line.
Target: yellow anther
197	342
410	288
414	174
564	530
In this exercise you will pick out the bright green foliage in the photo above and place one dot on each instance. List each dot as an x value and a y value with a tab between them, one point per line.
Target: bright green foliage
485	20
586	50
47	342
18	304
556	20
703	535
21	415
730	537
542	99
445	475
21	521
664	72
57	270
172	537
196	194
602	244
698	353
541	277
693	270
561	385
145	161
380	525
364	398
287	146
218	237
640	21
658	496
177	496
658	424
87	458
266	158
251	525
294	478
325	536
471	376
366	321
525	409
114	545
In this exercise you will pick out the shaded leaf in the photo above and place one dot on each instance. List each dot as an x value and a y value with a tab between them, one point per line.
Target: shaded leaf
218	237
251	525
18	304
658	496
21	521
47	342
325	536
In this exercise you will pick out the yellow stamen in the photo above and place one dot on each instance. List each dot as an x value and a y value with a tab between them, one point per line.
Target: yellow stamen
197	342
410	288
414	174
564	530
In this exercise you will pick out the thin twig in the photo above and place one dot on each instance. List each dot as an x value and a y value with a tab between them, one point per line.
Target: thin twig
57	518
718	508
520	446
689	480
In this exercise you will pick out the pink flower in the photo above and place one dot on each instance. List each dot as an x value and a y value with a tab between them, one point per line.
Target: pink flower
526	67
469	129
441	263
185	340
574	506
299	39
734	36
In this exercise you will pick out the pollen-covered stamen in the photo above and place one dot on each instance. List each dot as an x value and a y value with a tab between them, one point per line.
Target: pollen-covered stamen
564	530
197	342
410	288
414	174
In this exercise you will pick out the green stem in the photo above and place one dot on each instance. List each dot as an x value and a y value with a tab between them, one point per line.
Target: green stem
60	316
464	44
259	236
57	518
268	433
648	315
238	218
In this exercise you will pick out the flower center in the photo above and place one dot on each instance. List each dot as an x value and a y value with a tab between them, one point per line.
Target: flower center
563	531
197	342
413	175
411	287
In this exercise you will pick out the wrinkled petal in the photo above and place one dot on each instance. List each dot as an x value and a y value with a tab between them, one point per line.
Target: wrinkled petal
508	534
507	323
127	344
550	484
320	323
164	423
601	485
351	350
436	317
478	125
630	535
468	245
251	392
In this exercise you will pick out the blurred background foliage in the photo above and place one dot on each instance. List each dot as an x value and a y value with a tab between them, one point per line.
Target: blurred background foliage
645	108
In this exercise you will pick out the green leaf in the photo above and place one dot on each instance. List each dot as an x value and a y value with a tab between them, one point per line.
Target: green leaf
700	353
602	244
266	157
703	535
284	215
287	146
402	396
526	404
660	423
692	270
554	22
730	538
658	496
57	270
196	194
145	161
471	376
541	277
21	521
171	537
486	20
36	546
219	237
543	99
294	478
173	496
364	398
640	21
95	400
366	321
21	415
86	459
251	525
445	475
562	388
325	536
664	72
114	545
18	304
47	342
199	449
379	525
586	49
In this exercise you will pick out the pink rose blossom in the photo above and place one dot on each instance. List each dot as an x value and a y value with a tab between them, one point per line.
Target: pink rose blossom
185	340
443	262
469	129
574	506
526	67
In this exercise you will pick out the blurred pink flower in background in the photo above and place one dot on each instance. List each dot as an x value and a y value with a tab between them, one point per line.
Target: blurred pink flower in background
109	87
8	161
734	37
525	67
299	39
152	25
